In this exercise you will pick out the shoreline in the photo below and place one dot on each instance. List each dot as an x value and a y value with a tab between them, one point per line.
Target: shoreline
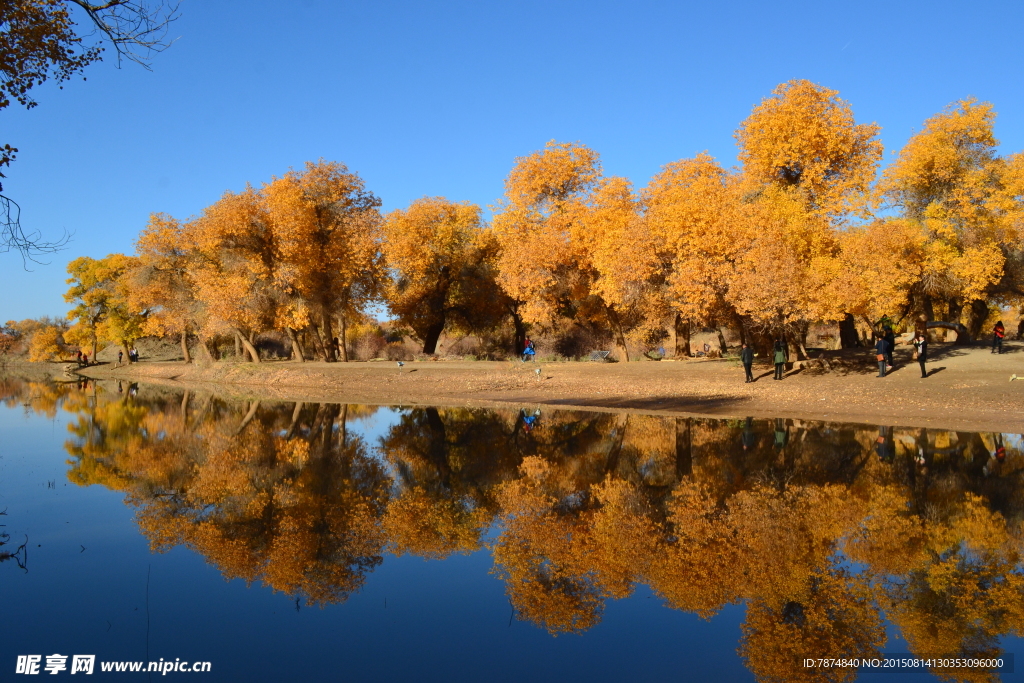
967	389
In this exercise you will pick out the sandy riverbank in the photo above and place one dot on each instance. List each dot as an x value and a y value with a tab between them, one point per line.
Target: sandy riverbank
968	388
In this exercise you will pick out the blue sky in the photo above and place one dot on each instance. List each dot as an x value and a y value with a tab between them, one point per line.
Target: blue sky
439	98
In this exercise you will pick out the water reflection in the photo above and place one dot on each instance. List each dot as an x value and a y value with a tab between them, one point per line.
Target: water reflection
825	531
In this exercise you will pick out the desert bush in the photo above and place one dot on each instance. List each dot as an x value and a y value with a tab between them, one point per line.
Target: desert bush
47	344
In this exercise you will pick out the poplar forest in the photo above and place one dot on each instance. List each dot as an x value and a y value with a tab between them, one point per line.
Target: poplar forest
809	228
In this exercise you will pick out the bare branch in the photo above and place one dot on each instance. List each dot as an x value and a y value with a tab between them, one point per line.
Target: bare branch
135	29
12	236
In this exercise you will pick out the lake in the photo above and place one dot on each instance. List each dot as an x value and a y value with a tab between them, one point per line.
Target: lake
315	541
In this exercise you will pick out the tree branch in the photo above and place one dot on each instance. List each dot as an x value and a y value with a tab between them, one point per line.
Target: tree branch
135	29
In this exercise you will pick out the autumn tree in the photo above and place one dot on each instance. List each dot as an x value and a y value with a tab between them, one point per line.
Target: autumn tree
100	291
46	344
326	228
569	243
438	273
950	182
235	267
807	168
687	207
161	281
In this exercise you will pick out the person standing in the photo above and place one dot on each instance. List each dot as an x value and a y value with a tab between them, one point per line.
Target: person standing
890	345
779	359
120	357
998	332
921	346
747	358
880	349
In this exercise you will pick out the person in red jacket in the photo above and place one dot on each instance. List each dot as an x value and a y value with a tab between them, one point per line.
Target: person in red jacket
998	332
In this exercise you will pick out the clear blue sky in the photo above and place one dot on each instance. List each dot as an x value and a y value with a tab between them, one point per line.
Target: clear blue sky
438	98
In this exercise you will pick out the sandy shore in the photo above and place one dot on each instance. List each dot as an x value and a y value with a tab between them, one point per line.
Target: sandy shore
967	389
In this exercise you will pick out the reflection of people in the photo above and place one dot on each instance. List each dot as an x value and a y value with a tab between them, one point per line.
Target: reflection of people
747	358
748	439
996	458
884	444
529	421
921	346
781	434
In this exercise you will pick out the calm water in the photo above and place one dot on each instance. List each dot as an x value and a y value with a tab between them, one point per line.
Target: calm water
287	542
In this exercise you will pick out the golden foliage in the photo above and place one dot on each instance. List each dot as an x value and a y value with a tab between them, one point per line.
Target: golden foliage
804	138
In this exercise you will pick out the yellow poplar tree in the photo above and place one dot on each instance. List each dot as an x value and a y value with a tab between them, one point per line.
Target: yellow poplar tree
567	241
326	228
947	179
100	291
161	281
687	207
807	167
437	271
234	269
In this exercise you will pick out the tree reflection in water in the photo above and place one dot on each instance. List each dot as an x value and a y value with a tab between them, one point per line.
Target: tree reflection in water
823	530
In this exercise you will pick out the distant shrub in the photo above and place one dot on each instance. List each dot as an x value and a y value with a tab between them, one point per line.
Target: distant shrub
47	344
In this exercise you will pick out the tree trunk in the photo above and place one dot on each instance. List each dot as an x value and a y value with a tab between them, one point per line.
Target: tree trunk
247	345
928	308
296	412
432	335
204	351
238	346
721	341
253	407
684	454
342	422
328	338
95	342
318	343
741	327
848	338
956	307
124	349
620	337
184	347
520	328
344	337
682	329
977	316
296	349
792	350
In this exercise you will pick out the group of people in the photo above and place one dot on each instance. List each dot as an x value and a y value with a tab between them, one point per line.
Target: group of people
81	358
529	350
778	358
133	356
885	343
